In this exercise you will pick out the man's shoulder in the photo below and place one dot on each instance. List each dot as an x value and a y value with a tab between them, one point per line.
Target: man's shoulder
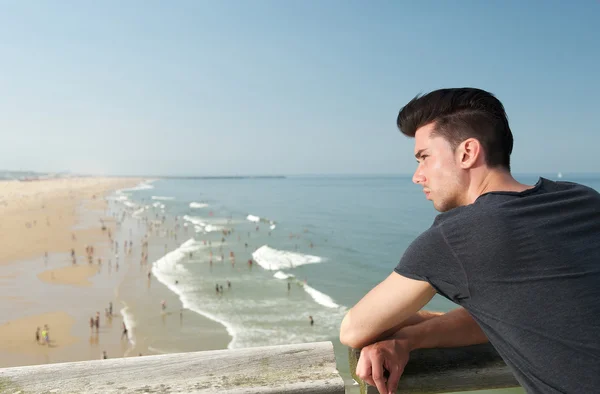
494	205
472	213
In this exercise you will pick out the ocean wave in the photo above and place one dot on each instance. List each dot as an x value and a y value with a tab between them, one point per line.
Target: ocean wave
257	219
194	220
282	275
253	218
210	228
166	269
163	198
319	297
201	226
145	185
274	260
198	205
138	213
130	323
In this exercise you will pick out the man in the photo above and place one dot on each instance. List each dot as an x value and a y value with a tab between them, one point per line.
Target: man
522	261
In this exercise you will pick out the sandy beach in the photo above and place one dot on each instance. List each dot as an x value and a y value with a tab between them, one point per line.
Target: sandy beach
48	280
42	221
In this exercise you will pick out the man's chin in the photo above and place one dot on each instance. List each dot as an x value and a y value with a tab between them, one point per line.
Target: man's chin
440	208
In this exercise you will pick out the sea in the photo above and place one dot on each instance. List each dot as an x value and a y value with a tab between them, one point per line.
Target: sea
316	245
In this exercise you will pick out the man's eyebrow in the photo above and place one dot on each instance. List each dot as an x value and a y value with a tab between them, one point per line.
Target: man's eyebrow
419	153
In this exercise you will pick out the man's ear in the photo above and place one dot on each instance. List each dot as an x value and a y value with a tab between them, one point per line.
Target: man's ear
469	152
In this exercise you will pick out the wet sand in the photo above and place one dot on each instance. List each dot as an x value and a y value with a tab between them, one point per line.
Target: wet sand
40	285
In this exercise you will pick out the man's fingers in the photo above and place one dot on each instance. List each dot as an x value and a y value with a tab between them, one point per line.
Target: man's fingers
369	381
394	379
363	368
377	373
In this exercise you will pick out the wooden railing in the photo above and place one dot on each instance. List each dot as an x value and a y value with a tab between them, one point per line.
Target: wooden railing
467	368
304	368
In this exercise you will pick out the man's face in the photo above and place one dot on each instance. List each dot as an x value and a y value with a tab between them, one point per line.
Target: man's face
438	171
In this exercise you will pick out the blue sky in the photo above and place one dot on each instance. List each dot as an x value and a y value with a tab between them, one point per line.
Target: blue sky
285	87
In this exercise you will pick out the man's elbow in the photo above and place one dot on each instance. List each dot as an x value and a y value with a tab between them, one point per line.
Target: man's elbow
350	340
349	335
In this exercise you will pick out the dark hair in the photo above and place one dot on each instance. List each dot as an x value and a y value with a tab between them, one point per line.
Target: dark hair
460	114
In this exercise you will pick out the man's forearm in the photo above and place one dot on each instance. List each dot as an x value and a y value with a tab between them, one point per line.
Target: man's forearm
453	329
417	318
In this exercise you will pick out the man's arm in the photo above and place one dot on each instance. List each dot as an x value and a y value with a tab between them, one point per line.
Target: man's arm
453	329
383	309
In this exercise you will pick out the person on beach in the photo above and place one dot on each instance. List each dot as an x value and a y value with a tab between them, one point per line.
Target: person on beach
312	321
521	261
46	335
37	335
104	356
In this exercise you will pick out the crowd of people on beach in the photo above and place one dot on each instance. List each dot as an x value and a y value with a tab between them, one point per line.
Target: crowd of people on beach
122	250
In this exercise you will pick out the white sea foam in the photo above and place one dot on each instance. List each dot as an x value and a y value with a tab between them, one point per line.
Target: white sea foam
163	198
319	297
198	205
145	185
202	227
139	212
274	260
253	218
282	275
130	323
210	228
167	268
194	220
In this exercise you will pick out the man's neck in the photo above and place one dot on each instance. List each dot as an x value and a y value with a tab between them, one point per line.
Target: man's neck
495	181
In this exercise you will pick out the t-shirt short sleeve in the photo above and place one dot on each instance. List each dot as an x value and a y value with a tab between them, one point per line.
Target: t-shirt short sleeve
430	259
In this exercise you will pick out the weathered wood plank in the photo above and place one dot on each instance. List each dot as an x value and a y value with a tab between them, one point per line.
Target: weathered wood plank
304	368
466	368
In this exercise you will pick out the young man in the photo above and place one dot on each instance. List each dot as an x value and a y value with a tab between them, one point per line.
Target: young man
522	261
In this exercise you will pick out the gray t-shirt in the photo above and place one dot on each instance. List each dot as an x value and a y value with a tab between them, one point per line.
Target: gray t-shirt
527	267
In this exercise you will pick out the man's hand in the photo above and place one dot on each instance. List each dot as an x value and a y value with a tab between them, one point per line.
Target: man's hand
390	355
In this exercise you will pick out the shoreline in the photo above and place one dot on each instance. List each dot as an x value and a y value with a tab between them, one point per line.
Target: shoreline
43	286
43	222
175	329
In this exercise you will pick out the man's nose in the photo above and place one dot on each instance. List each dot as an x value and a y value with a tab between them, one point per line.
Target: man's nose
418	176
